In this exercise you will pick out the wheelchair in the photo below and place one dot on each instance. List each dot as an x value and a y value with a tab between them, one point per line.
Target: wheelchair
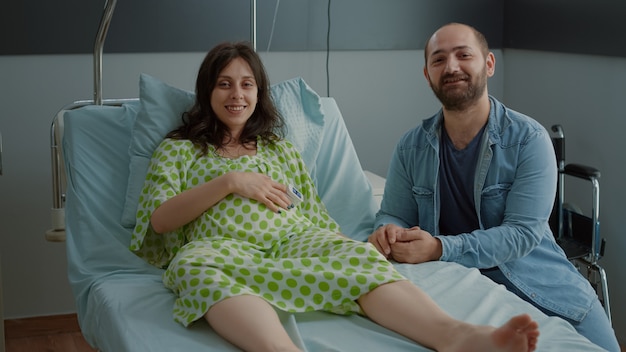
576	233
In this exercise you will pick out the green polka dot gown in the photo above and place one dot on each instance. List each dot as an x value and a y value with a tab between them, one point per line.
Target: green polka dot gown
294	260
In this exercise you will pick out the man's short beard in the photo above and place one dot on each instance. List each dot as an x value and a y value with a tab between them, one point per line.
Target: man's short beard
460	100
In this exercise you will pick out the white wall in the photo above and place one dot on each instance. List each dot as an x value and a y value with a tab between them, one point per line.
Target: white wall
585	94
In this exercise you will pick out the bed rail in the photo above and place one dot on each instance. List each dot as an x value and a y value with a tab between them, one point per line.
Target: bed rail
57	232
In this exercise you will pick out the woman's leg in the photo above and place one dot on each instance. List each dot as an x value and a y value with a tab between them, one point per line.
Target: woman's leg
407	310
250	323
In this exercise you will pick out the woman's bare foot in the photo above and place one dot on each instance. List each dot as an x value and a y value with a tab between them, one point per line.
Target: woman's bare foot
519	330
519	334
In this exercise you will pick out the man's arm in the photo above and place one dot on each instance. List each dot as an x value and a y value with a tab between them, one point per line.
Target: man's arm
527	206
398	206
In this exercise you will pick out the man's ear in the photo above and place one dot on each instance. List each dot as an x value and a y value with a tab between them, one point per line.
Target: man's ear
491	64
426	75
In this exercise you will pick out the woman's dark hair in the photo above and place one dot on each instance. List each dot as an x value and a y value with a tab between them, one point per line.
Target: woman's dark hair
200	123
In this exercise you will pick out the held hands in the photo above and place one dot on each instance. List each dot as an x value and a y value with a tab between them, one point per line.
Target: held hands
412	245
262	188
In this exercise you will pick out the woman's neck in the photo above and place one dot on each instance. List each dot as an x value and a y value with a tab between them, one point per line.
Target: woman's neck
234	149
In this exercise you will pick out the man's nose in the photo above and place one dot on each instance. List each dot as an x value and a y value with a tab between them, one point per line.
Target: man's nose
452	65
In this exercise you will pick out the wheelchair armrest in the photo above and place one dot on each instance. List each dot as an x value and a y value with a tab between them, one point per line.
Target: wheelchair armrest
582	171
558	141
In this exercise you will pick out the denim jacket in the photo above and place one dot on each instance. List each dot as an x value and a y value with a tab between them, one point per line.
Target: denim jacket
514	191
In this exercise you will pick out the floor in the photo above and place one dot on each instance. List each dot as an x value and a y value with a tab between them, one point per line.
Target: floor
59	333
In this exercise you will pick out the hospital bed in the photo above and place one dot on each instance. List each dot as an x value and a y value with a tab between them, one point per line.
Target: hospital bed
100	151
121	302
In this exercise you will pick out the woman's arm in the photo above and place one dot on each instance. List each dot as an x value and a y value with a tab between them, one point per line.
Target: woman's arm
188	205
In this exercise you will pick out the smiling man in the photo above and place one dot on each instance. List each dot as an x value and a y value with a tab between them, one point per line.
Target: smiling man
475	184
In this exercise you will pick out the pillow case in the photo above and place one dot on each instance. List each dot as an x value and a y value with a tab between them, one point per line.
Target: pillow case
160	111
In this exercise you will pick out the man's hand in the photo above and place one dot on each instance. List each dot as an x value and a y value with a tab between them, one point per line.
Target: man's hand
412	245
384	237
415	246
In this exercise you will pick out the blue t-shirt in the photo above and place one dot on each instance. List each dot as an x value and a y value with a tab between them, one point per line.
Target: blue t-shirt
456	186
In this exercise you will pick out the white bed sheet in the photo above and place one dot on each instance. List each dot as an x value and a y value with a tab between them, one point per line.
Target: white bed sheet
134	314
123	306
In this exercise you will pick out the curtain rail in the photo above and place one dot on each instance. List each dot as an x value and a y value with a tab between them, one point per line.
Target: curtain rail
109	7
105	21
